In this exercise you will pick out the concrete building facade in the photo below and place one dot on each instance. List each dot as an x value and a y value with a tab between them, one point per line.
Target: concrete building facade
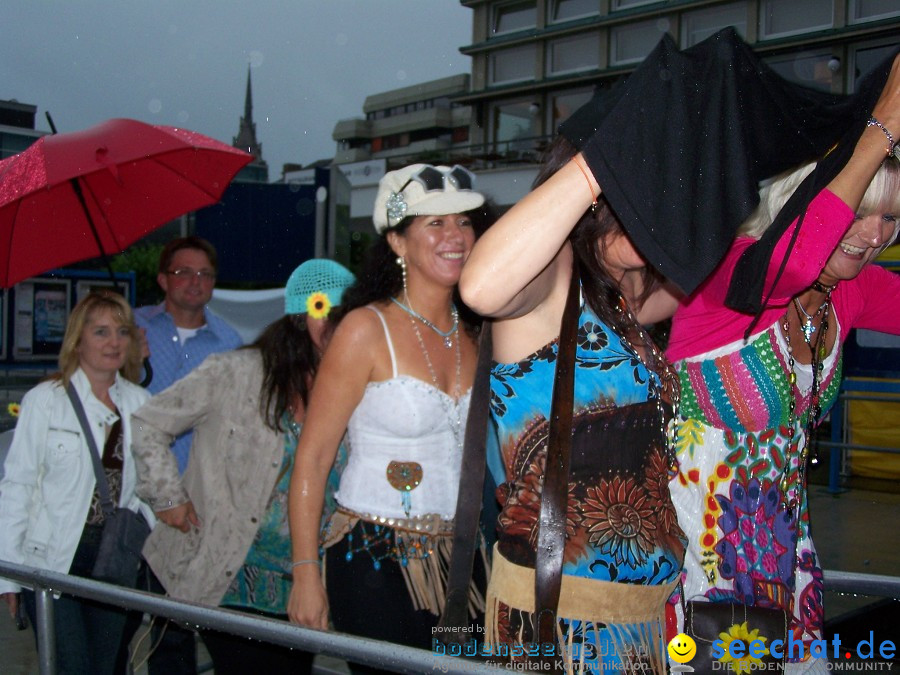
536	61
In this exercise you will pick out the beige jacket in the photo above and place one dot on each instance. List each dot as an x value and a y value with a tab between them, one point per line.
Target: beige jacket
234	462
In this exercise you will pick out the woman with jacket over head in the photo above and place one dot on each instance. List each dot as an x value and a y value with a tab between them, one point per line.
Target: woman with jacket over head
224	537
623	547
752	402
396	376
50	512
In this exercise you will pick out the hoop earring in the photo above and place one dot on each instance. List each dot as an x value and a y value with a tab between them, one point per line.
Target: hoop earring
402	262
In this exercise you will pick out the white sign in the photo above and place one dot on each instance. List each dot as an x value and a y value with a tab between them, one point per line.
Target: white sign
361	174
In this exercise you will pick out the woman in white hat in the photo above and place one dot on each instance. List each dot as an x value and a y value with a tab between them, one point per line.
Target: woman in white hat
396	376
224	538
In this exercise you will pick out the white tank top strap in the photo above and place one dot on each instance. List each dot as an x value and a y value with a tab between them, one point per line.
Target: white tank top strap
387	336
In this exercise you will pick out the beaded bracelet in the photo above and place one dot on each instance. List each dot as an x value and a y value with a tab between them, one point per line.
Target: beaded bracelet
875	123
594	204
311	561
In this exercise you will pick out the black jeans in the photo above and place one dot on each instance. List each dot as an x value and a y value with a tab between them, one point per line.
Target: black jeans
88	633
175	650
235	655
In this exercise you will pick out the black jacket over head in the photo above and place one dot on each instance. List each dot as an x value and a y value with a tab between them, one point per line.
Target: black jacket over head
680	146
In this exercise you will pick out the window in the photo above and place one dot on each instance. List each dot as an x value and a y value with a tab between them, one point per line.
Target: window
789	17
625	4
512	65
700	24
395	141
807	68
870	10
514	126
460	135
581	52
632	42
566	10
565	103
866	58
514	17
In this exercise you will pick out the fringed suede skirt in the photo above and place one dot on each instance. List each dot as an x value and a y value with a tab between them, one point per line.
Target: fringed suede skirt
603	627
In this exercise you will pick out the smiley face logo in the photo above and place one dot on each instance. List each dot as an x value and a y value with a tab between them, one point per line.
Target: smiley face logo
682	648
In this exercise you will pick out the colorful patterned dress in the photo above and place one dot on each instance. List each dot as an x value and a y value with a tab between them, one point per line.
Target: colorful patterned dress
621	525
744	544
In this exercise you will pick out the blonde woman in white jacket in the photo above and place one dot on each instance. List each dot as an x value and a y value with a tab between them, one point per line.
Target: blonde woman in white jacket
50	515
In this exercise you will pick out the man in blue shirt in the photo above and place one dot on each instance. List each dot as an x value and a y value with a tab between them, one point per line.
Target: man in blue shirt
181	332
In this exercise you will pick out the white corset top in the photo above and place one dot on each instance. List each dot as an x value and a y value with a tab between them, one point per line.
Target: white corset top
403	423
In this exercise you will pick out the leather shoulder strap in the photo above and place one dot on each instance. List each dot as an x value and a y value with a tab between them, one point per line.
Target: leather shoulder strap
551	538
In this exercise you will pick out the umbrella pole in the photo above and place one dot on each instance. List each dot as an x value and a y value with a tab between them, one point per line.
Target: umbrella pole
78	193
87	214
148	371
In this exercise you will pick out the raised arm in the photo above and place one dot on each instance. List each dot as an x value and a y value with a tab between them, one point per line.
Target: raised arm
345	371
851	183
504	276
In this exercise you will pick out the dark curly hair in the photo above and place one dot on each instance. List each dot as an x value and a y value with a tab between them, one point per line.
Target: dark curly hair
290	361
588	239
380	277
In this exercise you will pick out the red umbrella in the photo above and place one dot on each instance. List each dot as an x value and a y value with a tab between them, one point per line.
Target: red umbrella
91	193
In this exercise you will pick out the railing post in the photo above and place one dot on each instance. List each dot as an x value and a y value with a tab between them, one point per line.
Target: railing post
46	630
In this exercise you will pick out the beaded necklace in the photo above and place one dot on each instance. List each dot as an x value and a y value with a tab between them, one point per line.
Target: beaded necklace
668	380
431	371
446	335
818	350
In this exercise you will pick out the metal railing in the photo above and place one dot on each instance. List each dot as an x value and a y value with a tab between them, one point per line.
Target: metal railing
853	389
385	655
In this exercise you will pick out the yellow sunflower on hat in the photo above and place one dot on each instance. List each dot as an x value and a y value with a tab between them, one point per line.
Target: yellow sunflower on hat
13	409
318	305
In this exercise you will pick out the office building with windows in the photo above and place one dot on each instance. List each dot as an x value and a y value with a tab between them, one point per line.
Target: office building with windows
535	61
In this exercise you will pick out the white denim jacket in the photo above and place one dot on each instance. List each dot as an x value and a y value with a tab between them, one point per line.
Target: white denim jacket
49	478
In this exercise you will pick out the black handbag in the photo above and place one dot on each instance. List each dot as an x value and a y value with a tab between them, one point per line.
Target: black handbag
124	531
706	621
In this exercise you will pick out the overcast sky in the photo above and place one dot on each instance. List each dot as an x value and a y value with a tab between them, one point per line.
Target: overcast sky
184	62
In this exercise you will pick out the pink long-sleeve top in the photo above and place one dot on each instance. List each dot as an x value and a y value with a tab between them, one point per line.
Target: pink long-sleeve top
703	322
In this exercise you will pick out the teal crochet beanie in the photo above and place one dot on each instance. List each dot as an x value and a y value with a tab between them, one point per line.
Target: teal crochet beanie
315	287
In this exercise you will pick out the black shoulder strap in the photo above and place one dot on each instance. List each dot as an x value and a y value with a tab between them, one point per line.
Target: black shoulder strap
102	486
468	501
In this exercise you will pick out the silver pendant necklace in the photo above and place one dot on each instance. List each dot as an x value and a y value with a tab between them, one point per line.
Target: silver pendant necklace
806	319
446	335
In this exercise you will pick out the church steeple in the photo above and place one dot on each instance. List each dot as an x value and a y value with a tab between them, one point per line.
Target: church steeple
246	138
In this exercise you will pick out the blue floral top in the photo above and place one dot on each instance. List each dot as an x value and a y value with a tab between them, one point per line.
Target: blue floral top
621	523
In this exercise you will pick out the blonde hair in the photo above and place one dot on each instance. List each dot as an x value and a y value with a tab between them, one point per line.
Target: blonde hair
93	302
882	196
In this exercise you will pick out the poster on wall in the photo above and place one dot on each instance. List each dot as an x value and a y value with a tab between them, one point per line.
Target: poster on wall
40	315
85	286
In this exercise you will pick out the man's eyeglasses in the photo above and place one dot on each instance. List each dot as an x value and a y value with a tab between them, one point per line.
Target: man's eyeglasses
186	273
